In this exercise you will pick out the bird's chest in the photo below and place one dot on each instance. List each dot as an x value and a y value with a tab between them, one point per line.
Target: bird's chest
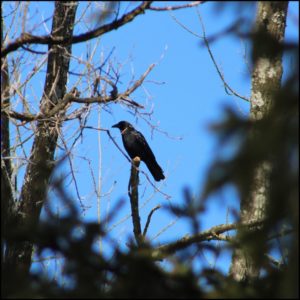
132	144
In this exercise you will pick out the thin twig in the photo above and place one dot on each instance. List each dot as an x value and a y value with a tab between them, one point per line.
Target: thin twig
28	39
27	117
215	63
204	38
175	7
149	219
138	82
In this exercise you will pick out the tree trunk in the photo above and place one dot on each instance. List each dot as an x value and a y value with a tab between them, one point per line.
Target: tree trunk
7	200
266	82
38	171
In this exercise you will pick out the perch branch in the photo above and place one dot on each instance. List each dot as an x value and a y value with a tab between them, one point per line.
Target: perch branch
134	199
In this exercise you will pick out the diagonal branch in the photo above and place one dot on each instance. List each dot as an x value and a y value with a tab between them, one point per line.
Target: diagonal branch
70	97
207	235
206	42
149	219
226	85
138	82
28	39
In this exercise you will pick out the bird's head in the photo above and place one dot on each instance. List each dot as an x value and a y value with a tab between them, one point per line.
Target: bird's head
122	125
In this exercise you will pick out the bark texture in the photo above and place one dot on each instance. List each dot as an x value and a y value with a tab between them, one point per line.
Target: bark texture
133	193
266	81
38	171
7	201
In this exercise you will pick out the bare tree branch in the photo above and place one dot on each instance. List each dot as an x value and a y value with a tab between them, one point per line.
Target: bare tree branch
226	85
38	171
70	97
134	199
175	7
206	235
139	82
206	42
149	219
28	39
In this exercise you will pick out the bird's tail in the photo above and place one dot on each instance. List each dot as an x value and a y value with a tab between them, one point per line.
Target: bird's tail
155	170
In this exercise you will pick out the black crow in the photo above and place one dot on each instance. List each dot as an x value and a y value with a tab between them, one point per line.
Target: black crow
136	145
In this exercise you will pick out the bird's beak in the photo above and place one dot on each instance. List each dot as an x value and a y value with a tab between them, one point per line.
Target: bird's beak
115	126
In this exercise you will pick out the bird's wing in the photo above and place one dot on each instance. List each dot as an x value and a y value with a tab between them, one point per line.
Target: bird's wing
145	149
148	157
136	145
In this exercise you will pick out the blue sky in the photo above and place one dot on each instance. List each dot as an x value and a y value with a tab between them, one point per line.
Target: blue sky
186	96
